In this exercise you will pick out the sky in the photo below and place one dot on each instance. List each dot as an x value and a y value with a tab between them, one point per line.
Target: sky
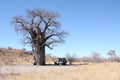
93	25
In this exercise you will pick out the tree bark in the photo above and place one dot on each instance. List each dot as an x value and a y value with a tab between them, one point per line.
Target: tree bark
40	29
39	56
41	52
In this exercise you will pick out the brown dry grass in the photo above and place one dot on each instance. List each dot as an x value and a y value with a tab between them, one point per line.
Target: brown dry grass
14	56
101	71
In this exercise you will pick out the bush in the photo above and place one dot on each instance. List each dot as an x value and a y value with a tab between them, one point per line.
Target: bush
85	59
50	57
117	59
71	58
10	48
96	58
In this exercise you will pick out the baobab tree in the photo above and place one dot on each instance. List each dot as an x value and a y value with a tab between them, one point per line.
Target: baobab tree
41	29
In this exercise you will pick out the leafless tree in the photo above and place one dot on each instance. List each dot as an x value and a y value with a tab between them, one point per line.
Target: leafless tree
96	57
41	29
71	58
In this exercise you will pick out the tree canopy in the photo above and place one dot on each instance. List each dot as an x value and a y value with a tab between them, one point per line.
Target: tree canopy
40	28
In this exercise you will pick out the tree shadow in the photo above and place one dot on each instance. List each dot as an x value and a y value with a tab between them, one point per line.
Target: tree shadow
64	65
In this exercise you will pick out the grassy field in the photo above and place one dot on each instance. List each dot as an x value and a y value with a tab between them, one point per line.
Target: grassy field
101	71
25	71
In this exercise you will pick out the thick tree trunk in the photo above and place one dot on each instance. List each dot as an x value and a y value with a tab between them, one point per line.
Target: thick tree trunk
39	56
42	56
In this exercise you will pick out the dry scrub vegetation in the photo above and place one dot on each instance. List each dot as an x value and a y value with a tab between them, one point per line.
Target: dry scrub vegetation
14	56
99	71
16	65
10	56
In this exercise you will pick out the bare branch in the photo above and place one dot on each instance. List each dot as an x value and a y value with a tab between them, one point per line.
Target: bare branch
40	27
50	47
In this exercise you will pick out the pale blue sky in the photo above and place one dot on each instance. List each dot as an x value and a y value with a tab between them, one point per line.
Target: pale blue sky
93	25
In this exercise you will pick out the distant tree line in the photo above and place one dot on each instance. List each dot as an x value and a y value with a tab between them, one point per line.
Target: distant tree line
94	58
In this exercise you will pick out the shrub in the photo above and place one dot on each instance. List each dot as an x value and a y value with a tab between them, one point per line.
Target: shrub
71	58
96	58
10	48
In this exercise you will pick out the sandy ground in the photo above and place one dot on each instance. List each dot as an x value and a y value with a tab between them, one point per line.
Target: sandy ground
101	71
9	72
20	69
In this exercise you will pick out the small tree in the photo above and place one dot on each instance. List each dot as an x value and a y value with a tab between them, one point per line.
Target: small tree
96	57
112	55
10	48
85	59
71	58
41	29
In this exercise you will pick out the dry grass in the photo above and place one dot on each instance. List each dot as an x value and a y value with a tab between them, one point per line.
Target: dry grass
102	71
14	56
83	71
